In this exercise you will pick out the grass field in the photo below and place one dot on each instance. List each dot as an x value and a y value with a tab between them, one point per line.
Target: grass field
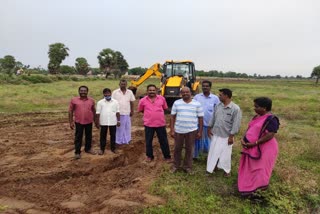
295	184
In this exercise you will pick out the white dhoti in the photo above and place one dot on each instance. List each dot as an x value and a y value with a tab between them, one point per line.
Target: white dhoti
219	150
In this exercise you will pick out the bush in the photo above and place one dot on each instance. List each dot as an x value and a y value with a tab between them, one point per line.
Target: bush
37	79
40	78
5	78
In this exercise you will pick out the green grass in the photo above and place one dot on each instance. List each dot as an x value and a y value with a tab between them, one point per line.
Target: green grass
47	97
294	186
295	182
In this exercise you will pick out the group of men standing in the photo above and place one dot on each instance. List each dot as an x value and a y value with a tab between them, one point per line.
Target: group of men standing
113	113
204	124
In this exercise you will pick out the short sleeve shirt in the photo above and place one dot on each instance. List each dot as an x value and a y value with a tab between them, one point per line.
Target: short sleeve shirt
187	115
83	110
226	120
108	112
124	100
153	111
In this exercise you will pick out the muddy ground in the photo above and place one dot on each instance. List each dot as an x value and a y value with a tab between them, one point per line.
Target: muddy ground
39	175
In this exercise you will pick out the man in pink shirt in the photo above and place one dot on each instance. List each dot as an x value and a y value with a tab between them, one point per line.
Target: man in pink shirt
152	107
83	110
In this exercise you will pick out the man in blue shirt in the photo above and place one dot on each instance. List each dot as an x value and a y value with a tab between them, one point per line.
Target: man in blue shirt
208	102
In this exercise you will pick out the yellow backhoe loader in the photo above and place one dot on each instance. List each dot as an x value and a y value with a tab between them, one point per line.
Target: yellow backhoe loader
173	76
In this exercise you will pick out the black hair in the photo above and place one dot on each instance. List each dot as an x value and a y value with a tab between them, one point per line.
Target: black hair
264	102
151	85
226	91
123	80
106	90
207	81
83	86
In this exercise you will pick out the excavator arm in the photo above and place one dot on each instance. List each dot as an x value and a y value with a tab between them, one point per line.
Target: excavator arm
153	70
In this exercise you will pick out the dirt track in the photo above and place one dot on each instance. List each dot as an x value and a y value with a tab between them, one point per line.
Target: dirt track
39	175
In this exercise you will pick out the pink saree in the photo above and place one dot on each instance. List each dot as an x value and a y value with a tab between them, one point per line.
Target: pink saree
256	163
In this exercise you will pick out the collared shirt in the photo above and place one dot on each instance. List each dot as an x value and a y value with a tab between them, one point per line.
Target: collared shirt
208	103
108	111
187	115
84	110
153	111
226	120
124	100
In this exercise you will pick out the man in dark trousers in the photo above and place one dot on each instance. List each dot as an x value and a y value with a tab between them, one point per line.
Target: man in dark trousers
152	107
82	108
107	117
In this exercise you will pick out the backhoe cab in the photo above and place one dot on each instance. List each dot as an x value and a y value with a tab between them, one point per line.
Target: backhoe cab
174	75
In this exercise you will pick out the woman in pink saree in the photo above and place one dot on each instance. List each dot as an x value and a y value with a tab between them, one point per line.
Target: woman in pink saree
260	149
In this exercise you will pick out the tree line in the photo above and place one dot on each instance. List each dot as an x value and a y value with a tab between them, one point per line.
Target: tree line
230	74
110	62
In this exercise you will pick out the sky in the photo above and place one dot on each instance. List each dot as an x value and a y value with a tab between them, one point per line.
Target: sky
266	37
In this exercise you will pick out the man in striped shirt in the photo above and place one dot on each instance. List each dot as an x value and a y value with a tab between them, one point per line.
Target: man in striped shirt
186	125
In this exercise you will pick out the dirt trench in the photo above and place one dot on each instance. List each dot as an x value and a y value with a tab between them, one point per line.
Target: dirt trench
39	175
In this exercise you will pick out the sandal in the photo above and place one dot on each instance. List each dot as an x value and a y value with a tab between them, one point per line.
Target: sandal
227	175
91	152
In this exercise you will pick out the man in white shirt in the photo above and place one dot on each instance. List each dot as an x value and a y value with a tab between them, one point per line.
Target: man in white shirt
125	99
107	117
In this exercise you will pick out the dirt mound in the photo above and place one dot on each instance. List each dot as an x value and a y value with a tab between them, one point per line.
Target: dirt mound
39	175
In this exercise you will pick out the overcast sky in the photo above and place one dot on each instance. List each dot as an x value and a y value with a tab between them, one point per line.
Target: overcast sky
266	37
